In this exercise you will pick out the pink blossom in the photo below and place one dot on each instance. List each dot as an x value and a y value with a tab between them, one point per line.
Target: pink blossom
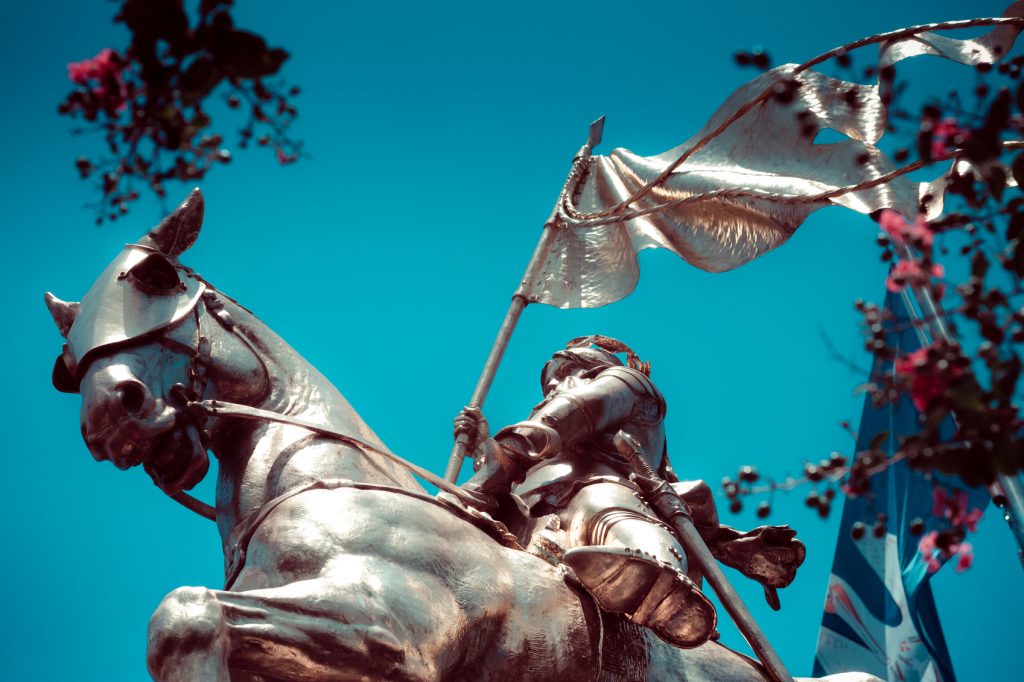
934	555
958	505
285	158
926	384
912	273
899	230
947	136
927	544
892	222
938	546
939	500
927	547
965	557
78	72
954	508
970	519
105	63
959	515
105	69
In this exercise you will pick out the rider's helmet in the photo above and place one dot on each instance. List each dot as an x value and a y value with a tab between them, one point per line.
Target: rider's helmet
586	355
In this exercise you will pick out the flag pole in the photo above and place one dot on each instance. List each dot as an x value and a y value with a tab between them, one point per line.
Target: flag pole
1008	490
522	297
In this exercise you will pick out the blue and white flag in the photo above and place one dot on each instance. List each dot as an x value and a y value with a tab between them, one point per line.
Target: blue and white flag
880	616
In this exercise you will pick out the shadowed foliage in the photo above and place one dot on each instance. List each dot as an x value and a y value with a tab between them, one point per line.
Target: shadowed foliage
152	101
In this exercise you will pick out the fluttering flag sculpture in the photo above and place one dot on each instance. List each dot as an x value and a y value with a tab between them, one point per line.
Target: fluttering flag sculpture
742	185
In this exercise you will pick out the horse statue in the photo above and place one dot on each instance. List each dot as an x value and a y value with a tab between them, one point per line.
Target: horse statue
338	565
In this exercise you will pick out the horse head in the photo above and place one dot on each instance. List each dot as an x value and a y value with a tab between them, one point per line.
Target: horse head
134	352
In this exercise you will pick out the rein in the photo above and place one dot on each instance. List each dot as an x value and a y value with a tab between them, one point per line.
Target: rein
193	402
219	408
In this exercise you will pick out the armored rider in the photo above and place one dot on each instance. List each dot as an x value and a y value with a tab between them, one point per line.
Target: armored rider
562	460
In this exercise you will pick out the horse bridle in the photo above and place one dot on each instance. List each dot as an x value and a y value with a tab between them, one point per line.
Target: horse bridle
191	399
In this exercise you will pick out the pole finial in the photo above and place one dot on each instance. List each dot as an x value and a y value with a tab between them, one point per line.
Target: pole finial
596	131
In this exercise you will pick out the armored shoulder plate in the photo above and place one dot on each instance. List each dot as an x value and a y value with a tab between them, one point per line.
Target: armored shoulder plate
650	405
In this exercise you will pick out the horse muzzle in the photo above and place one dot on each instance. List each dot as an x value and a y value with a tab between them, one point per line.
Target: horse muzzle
125	423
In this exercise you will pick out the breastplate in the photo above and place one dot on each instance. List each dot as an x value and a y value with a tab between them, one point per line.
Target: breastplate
596	457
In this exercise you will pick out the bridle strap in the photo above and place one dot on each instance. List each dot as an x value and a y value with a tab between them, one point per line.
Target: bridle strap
194	504
197	368
201	359
220	408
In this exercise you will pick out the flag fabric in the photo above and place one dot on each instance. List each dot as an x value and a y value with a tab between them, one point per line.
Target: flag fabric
751	184
880	616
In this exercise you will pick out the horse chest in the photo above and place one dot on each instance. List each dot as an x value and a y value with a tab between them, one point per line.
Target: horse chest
282	545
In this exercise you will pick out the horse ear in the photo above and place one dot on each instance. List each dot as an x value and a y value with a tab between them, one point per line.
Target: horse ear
64	312
178	231
63	380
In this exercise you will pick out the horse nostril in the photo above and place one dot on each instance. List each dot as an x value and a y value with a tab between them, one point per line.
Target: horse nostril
132	395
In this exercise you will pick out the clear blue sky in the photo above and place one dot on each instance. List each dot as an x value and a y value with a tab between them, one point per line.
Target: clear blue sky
440	136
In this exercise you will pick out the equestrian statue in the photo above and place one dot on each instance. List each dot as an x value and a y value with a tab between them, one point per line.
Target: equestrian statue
573	552
338	564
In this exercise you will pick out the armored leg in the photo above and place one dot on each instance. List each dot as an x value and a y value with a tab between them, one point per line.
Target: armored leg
632	564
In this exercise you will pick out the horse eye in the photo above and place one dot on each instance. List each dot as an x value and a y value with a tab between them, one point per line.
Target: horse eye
154	275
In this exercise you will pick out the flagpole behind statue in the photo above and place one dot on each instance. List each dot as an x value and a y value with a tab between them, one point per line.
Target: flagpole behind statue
1008	490
522	297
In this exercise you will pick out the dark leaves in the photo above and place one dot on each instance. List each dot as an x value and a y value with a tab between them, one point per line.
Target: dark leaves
199	79
1015	263
1018	170
974	373
756	58
245	55
995	179
149	100
979	265
208	6
879	440
1004	379
924	143
152	20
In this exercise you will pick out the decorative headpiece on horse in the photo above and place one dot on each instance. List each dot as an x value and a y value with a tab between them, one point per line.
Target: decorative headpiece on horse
143	291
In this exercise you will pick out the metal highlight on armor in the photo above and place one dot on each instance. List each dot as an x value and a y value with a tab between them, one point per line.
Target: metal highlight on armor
601	526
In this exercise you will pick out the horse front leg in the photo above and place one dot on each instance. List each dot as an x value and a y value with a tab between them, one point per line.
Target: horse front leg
319	629
187	637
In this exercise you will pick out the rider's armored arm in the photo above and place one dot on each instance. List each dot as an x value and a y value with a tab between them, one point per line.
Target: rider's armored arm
768	554
616	396
701	501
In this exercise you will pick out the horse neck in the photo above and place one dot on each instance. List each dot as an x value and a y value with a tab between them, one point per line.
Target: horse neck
262	460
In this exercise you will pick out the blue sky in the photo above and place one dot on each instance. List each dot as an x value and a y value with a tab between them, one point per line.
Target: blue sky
440	136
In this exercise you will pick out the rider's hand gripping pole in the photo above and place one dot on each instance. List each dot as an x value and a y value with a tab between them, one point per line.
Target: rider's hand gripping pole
667	504
522	297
